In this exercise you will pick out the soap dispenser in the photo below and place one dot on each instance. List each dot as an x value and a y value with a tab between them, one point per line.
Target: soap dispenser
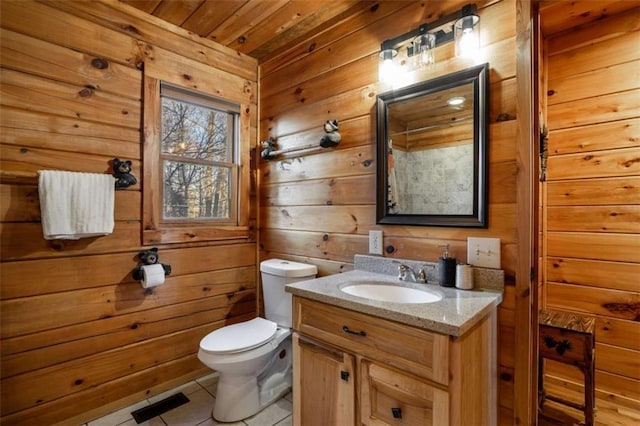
447	269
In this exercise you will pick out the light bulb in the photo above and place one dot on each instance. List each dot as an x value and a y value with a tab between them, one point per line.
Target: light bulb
466	33
387	68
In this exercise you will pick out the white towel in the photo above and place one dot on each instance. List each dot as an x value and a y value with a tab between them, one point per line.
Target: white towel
75	205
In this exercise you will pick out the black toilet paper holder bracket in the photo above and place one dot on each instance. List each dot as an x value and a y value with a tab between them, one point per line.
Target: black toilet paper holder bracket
149	257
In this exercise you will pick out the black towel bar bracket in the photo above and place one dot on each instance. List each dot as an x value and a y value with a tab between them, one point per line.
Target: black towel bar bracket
122	172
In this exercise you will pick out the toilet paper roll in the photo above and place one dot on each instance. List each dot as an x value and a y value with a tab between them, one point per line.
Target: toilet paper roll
464	277
152	275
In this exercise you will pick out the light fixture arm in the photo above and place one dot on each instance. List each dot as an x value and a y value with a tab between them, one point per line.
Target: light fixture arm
441	35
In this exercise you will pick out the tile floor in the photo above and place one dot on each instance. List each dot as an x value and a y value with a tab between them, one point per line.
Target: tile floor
201	393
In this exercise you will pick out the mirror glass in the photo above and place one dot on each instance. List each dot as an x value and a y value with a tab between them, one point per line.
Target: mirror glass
432	144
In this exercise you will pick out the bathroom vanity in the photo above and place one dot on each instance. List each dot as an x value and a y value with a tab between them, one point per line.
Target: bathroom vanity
365	361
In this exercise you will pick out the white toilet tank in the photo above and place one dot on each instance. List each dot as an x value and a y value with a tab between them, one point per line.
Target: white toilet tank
276	273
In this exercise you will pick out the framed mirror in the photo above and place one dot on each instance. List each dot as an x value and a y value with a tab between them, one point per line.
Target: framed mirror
432	151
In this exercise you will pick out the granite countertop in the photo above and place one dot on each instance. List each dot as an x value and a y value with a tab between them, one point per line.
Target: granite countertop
454	314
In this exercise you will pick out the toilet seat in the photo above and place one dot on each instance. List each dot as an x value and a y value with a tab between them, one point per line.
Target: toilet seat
239	337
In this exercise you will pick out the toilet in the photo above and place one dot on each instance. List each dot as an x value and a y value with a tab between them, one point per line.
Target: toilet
253	358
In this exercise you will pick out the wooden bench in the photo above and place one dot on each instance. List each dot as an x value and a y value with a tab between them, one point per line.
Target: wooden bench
569	339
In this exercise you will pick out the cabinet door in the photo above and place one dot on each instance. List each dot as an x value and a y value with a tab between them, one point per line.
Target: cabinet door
391	397
323	385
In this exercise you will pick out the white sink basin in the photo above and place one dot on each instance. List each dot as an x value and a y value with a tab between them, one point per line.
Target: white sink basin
391	293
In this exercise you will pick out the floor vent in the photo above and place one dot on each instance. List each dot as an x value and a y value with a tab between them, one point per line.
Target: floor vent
160	407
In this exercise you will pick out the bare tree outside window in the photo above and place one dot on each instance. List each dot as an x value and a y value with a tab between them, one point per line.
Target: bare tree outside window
197	159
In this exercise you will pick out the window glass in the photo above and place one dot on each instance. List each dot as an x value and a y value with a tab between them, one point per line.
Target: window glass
198	140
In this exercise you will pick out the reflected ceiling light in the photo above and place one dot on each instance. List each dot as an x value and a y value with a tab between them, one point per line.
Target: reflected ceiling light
415	49
457	100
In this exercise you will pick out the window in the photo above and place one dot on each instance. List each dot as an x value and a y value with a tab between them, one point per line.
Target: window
195	166
198	154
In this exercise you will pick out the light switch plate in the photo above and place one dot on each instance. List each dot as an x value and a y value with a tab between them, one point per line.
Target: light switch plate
483	252
375	242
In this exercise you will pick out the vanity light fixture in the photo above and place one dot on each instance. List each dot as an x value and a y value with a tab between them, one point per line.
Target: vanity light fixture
415	49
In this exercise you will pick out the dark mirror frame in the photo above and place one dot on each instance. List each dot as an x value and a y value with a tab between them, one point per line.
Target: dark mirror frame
479	77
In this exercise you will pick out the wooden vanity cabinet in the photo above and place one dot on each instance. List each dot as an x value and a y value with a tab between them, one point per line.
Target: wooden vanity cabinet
351	368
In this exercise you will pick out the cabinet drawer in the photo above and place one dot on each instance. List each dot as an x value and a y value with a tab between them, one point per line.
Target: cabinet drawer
390	397
419	351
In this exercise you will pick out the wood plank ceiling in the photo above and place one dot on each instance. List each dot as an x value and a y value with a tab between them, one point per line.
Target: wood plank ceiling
258	28
265	28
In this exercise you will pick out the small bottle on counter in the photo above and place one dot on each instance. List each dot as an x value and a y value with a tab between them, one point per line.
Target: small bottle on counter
447	269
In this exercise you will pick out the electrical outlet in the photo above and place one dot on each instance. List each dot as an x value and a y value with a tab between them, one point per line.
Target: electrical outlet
375	242
483	252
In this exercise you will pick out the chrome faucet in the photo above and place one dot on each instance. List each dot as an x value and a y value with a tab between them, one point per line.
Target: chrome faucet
406	270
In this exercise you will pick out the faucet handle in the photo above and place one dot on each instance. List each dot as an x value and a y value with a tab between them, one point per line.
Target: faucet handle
402	271
422	276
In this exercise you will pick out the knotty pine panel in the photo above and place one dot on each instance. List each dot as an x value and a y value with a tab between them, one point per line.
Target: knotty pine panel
102	399
168	66
64	274
623	219
60	380
27	54
583	245
618	332
341	79
32	93
338	247
46	23
355	132
22	241
621	134
602	301
70	143
598	164
352	219
610	107
594	273
45	312
610	52
624	391
21	203
356	102
594	83
337	163
561	16
607	191
16	159
331	192
149	33
617	360
612	409
58	111
134	328
74	127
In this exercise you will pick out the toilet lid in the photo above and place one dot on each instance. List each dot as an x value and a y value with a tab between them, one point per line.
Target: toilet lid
239	337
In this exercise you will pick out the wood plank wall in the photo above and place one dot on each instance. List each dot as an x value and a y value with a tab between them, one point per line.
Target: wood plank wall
319	207
80	338
592	199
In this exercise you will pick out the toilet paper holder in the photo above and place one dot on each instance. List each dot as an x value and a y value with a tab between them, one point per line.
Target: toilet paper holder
149	257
